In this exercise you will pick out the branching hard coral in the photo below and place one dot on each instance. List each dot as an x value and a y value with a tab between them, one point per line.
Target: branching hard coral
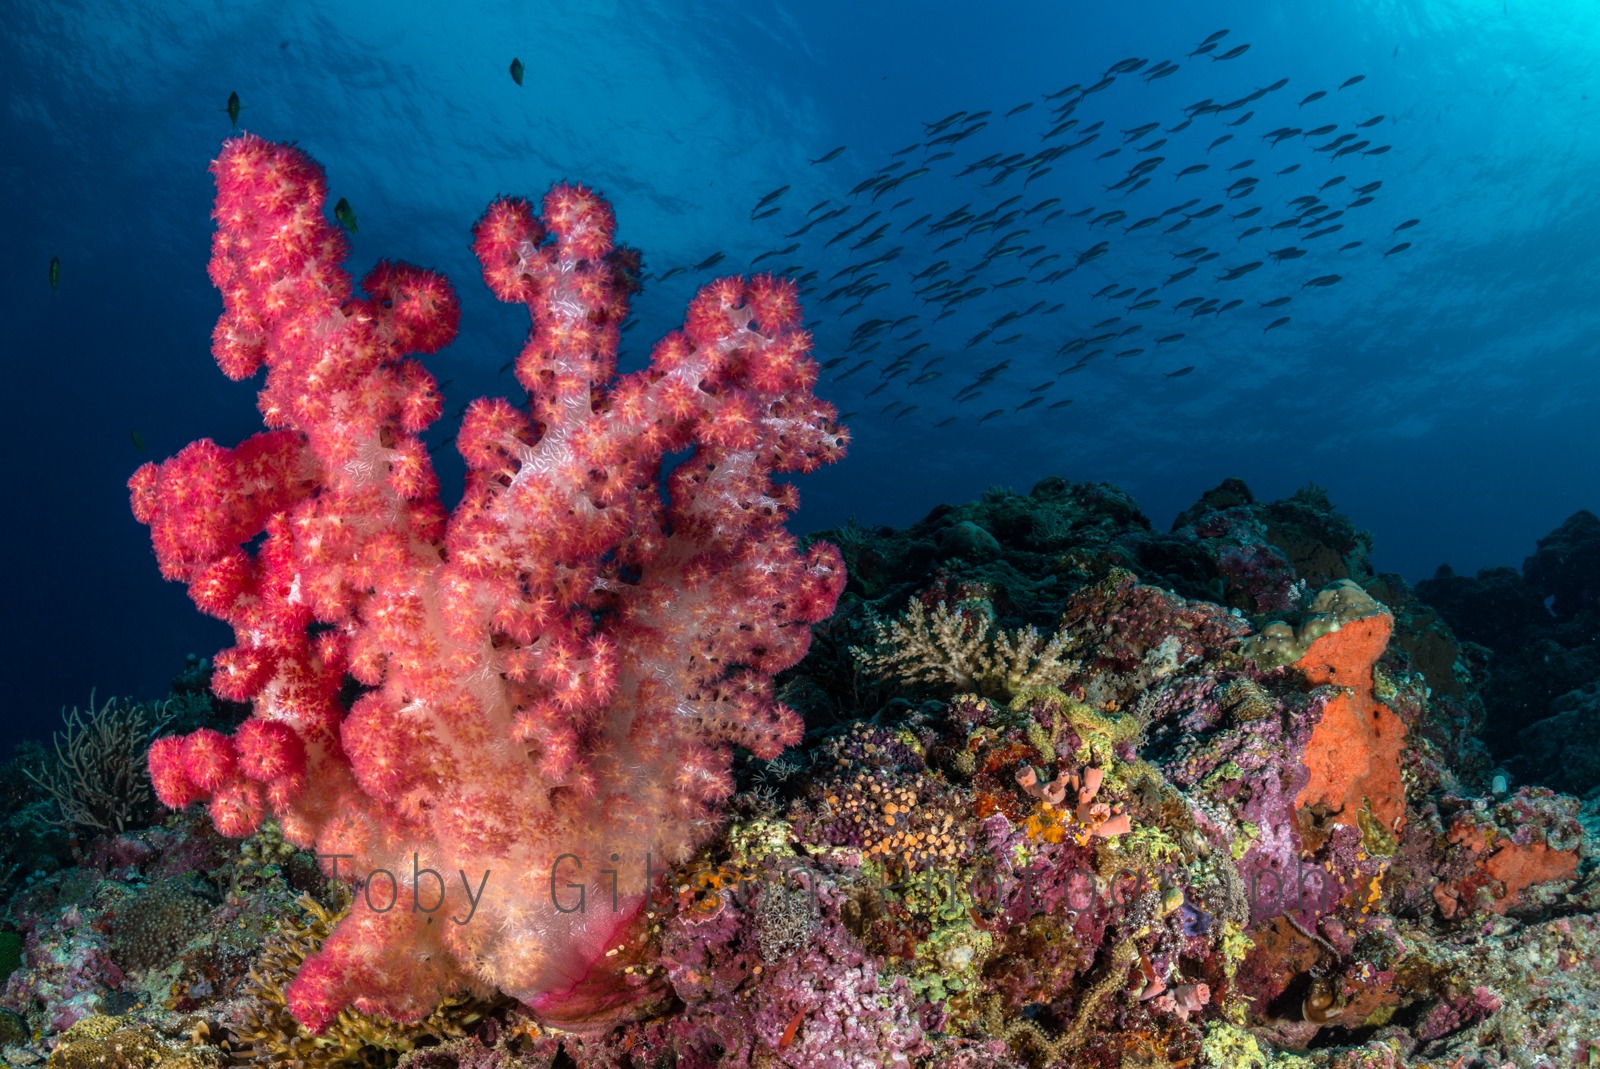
961	650
99	780
274	1037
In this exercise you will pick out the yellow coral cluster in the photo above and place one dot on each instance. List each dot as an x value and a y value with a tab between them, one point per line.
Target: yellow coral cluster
101	1042
895	829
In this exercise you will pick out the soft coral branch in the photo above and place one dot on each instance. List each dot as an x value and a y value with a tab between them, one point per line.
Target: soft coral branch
560	666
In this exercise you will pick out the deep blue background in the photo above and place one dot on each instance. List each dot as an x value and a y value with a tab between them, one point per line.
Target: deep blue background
1445	396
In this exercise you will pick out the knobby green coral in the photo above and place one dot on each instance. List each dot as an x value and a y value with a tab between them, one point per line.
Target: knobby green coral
99	1042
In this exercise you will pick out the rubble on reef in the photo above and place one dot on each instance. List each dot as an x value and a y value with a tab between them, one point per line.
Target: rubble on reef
1074	793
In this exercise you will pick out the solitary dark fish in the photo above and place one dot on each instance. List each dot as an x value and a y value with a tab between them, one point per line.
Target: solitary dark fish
55	272
1322	280
1180	373
345	214
138	439
1348	82
710	261
234	108
833	154
1402	247
516	70
774	252
1318	95
1407	225
1275	323
1374	121
1232	53
770	197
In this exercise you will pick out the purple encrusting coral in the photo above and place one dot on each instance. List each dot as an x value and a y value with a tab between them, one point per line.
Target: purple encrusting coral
1224	807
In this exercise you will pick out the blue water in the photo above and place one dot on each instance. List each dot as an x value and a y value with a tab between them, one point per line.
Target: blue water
1445	395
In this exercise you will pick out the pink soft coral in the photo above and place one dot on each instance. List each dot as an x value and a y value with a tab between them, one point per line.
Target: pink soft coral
549	681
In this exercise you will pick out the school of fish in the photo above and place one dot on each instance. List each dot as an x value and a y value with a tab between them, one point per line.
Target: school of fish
1012	261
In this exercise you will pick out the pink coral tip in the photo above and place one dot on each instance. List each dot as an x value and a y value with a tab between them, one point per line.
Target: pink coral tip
167	776
581	220
238	808
269	750
775	303
208	759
